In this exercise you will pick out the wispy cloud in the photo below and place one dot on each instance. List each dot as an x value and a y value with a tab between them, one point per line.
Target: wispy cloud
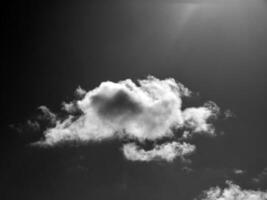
261	177
168	151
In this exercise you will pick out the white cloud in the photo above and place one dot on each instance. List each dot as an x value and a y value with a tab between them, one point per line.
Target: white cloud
196	119
149	110
233	192
167	151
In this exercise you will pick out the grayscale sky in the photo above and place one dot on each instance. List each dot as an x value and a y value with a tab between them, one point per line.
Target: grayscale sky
216	48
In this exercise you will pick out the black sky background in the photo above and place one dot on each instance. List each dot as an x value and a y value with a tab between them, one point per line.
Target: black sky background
52	47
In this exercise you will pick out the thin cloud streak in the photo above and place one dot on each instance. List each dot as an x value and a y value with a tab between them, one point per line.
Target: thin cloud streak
167	151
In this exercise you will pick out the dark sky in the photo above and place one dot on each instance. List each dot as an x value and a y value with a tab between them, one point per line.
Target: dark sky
217	48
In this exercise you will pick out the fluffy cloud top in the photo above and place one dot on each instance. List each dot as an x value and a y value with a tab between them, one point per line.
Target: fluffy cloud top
149	110
233	192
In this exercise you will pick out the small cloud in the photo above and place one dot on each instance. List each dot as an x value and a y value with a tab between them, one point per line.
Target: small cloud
196	119
239	171
229	114
187	169
80	93
69	107
47	115
232	192
167	151
72	108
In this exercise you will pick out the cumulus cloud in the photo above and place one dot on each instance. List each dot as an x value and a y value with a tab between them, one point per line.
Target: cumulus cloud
167	151
149	110
233	192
